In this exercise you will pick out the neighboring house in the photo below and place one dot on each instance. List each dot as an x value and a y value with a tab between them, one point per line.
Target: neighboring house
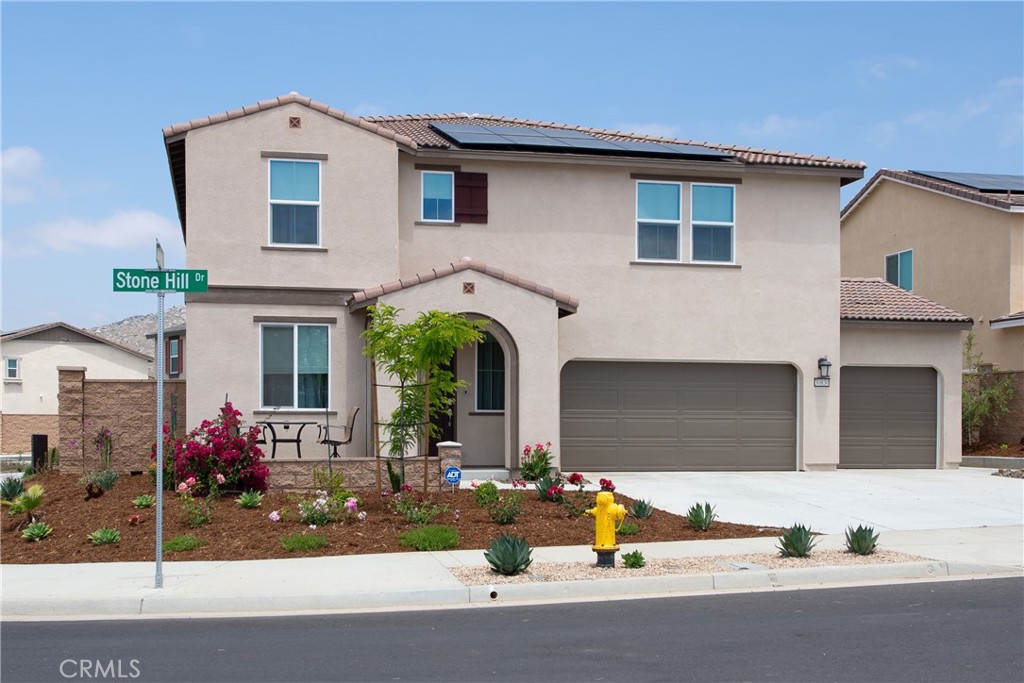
174	351
655	304
31	358
957	238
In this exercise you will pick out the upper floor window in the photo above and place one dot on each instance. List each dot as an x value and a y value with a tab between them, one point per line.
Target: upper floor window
657	221
174	356
712	222
294	368
490	374
294	202
899	269
438	196
12	368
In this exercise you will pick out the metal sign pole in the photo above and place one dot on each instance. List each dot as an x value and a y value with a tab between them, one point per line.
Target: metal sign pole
159	580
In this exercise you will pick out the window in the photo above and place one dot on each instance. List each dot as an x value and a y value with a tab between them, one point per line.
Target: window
438	196
294	366
657	221
490	375
294	202
453	197
712	220
174	356
899	269
12	368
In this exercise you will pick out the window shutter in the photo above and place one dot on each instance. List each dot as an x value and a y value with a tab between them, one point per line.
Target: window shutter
470	197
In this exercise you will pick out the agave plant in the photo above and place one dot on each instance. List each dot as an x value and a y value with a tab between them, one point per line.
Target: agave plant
701	517
633	560
796	541
105	536
10	489
641	509
862	540
143	501
36	531
509	555
250	500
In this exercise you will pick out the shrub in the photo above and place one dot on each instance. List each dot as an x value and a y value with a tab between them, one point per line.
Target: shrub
628	529
575	504
486	494
548	486
633	560
416	510
180	544
26	502
36	531
796	541
297	543
326	479
641	509
319	511
144	501
507	508
250	500
105	536
509	555
862	540
105	479
535	462
431	537
701	517
11	488
198	511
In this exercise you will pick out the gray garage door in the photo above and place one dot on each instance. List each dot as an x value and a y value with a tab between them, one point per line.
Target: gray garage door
887	418
678	416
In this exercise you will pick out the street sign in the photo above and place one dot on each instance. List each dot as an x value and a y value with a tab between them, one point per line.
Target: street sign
142	280
453	475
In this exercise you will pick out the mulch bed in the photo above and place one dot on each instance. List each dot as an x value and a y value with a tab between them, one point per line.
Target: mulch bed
238	534
1011	450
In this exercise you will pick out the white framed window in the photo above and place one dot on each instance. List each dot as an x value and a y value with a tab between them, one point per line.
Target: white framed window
12	369
438	193
658	211
490	375
174	356
294	366
712	223
899	269
294	190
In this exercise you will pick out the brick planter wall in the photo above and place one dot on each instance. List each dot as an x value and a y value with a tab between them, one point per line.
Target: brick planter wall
1010	428
361	473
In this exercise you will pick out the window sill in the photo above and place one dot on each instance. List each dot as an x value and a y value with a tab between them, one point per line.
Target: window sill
298	247
486	412
292	412
698	264
444	224
12	381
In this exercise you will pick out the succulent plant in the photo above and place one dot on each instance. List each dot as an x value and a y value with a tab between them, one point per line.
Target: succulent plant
627	529
250	500
701	517
862	540
36	531
26	502
105	536
544	486
796	541
641	509
10	489
143	501
633	560
509	555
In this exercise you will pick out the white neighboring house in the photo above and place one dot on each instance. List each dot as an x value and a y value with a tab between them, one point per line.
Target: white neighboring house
31	357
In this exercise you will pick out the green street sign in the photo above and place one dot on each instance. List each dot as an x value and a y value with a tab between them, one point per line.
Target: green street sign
141	280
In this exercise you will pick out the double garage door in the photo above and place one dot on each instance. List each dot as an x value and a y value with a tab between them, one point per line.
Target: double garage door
678	416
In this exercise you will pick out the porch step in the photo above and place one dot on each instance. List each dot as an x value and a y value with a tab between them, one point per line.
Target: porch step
482	473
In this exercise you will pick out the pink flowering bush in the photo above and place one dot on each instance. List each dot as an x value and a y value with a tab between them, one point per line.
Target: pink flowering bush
217	453
535	462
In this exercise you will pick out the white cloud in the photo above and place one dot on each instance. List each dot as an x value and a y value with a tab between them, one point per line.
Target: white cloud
881	68
125	229
660	130
22	169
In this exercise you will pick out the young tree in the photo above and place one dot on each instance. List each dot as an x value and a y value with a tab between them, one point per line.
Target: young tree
984	396
415	355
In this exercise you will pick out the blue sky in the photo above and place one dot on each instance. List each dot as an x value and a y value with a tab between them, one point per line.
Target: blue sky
87	87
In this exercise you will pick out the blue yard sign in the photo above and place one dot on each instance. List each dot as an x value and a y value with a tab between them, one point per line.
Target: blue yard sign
453	475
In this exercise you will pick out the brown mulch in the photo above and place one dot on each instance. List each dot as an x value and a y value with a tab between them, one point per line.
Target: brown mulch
238	534
1011	450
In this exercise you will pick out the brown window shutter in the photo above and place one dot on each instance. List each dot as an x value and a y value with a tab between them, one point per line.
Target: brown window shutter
470	197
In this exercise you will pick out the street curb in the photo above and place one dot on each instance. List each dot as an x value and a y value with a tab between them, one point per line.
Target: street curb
995	462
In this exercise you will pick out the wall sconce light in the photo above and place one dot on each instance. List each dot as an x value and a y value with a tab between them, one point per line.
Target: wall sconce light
824	368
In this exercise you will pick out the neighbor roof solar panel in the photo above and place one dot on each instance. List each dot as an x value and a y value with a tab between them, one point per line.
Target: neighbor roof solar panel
984	182
473	136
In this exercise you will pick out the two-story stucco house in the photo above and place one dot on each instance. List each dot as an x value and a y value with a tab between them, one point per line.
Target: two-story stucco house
654	304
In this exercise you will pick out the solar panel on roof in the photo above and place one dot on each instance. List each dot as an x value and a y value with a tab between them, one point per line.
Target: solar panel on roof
984	182
473	136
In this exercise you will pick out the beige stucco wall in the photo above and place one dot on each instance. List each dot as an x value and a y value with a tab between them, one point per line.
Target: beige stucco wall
908	347
36	393
572	227
967	256
228	202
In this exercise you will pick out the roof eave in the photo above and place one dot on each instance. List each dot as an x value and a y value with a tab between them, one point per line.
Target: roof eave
915	324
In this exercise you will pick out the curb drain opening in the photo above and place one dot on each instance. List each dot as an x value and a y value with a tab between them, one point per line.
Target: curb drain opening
494	595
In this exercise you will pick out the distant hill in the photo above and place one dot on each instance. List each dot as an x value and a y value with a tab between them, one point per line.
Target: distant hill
131	332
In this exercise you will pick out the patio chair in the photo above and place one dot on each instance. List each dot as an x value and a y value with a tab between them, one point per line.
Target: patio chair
324	431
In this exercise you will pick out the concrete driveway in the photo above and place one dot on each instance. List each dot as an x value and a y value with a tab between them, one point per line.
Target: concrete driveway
830	501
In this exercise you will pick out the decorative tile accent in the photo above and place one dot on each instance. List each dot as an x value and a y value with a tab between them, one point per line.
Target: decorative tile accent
469	288
295	122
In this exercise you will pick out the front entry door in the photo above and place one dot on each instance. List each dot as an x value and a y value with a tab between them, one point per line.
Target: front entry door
445	422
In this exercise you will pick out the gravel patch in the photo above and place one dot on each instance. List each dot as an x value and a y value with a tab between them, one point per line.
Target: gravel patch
1015	474
708	564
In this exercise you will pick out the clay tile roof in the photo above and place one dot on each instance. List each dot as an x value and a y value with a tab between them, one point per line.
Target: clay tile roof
875	299
999	200
1012	317
565	302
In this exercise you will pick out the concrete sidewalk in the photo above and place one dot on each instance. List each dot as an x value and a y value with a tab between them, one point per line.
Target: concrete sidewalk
423	580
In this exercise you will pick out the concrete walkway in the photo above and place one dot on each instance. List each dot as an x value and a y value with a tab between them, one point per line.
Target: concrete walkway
985	539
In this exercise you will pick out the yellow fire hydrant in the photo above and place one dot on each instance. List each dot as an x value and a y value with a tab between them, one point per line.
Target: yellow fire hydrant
606	513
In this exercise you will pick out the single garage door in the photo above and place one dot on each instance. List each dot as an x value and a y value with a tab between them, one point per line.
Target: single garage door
888	417
678	416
